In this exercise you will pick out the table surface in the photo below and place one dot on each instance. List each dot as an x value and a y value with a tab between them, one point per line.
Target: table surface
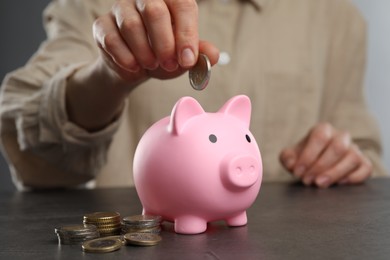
287	221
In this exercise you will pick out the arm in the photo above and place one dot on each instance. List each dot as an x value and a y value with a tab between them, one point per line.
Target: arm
44	148
60	111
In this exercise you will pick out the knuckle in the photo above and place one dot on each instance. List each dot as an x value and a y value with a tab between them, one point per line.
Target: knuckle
322	132
98	22
130	23
321	136
116	6
110	41
98	28
185	5
345	135
155	10
324	126
339	147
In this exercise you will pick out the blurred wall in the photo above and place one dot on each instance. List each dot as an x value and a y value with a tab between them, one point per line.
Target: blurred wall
377	16
21	33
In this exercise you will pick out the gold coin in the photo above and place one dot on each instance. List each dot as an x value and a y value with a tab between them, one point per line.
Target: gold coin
105	233
102	245
101	216
199	75
120	237
109	230
142	239
106	225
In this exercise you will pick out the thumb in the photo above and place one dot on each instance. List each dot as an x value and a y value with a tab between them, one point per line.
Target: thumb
210	51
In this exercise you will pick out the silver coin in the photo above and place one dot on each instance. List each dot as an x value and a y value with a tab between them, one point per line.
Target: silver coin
142	220
76	229
200	74
154	230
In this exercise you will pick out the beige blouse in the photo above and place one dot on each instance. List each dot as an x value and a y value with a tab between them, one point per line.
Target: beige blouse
300	62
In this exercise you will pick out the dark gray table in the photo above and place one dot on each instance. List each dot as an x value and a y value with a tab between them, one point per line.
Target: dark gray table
288	221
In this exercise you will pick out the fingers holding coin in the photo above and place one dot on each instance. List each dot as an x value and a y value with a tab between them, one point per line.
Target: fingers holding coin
200	73
172	29
156	17
151	38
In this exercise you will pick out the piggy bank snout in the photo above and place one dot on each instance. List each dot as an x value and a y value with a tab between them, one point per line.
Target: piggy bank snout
240	171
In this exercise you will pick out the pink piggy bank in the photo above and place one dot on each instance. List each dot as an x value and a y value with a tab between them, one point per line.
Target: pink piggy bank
196	167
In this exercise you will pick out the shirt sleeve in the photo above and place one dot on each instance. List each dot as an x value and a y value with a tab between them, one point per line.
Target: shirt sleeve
344	103
32	106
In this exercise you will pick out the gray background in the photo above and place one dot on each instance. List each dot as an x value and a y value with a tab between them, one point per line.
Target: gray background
21	33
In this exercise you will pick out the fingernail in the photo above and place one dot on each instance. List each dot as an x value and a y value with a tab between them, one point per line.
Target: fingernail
323	181
170	65
299	171
308	180
187	58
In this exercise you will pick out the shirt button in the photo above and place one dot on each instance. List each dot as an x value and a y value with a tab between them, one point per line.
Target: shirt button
224	58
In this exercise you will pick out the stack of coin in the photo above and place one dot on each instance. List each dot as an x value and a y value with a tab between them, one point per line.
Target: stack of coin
107	223
141	224
76	234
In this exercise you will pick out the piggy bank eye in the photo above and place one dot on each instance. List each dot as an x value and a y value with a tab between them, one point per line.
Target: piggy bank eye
248	138
212	138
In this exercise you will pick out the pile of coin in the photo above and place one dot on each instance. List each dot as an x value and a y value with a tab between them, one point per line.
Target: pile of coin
141	224
76	234
107	223
100	232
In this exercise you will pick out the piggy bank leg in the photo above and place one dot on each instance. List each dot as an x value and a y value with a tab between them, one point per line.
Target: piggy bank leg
237	220
190	225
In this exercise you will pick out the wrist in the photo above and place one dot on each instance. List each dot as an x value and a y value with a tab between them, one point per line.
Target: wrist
95	96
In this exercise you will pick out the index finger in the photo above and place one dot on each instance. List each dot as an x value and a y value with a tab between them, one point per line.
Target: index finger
185	26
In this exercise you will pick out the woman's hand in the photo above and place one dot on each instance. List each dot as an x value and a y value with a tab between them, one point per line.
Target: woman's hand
326	156
151	38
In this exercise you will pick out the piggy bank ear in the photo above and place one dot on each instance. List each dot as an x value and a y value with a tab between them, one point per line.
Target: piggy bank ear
182	112
239	107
